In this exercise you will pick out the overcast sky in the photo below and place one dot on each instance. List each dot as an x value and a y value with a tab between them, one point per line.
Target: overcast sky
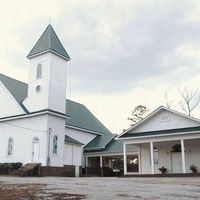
124	53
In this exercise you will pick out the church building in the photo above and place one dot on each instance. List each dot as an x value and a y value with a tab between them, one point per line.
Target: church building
39	125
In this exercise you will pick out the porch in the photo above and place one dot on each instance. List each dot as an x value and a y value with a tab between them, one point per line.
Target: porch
175	154
110	165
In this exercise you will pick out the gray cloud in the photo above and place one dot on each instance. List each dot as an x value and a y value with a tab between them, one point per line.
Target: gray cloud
116	46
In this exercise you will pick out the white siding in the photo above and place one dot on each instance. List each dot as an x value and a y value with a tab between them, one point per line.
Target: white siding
23	131
72	154
175	121
53	83
57	126
8	104
82	137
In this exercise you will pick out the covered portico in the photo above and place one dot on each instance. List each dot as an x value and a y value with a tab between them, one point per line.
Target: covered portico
173	149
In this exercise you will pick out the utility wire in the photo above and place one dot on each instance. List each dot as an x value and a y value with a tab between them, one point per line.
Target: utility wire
25	128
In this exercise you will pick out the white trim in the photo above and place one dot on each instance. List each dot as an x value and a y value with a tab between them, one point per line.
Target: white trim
155	112
82	129
160	135
188	137
47	51
33	115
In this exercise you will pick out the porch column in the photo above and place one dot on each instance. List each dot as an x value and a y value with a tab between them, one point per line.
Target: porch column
125	158
86	161
139	160
152	157
101	165
183	155
86	165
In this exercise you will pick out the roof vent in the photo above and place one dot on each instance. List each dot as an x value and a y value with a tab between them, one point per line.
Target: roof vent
164	118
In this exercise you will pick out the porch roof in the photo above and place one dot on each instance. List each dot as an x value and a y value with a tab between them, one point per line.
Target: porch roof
161	132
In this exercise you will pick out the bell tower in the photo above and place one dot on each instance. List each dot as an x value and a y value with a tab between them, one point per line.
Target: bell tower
47	74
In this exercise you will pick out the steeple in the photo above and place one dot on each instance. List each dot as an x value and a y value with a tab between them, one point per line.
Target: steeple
49	42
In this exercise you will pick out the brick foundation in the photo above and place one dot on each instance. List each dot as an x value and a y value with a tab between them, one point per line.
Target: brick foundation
67	171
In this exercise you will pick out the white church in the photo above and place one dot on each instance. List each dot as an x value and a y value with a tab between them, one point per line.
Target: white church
39	125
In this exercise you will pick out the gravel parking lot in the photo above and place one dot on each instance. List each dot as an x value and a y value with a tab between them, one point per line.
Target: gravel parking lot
99	188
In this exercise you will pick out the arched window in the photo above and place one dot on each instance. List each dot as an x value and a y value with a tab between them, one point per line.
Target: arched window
55	144
10	146
39	71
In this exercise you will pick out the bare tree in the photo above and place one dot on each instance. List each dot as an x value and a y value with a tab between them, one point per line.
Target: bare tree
138	114
167	101
191	99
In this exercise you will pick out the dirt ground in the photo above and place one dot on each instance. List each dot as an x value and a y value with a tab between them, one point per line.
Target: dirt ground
55	188
33	192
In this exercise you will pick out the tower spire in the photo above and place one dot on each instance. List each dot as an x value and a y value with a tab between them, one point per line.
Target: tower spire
49	42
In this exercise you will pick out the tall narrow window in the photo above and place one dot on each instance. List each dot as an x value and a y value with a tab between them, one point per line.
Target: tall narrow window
55	144
10	146
39	71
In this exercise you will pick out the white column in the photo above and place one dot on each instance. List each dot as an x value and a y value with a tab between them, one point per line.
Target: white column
152	157
183	155
139	160
86	161
125	158
101	161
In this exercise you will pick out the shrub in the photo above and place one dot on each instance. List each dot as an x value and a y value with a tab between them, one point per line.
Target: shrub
7	168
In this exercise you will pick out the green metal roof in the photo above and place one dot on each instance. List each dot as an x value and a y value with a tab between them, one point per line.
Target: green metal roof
82	118
106	144
160	132
49	42
117	146
17	88
71	140
99	142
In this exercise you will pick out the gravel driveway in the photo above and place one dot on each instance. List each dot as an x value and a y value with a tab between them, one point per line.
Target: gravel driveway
102	188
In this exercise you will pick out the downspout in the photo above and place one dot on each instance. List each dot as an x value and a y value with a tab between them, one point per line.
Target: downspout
48	147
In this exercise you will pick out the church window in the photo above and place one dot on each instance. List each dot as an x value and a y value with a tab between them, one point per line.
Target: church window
39	71
55	144
10	146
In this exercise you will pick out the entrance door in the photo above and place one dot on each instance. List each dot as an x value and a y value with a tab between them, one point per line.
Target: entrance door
36	151
176	162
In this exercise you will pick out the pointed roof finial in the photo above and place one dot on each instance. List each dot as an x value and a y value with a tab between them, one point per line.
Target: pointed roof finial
49	42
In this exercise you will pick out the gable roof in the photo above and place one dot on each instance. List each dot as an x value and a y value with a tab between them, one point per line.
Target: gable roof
99	142
152	114
17	88
80	116
161	132
49	42
105	145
